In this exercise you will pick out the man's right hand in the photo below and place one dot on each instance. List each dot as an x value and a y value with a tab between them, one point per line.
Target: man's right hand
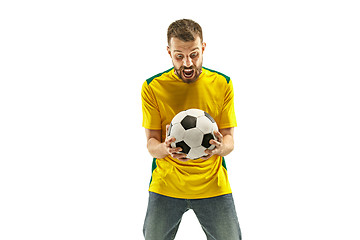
174	152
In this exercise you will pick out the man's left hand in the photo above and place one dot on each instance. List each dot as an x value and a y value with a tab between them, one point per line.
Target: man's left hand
219	146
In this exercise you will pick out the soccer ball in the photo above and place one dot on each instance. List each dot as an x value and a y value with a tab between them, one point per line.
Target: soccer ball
193	129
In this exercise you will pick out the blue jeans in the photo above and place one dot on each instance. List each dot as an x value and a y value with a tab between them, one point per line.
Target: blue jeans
216	215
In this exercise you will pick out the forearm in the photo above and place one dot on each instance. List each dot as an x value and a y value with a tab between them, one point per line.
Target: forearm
228	147
156	148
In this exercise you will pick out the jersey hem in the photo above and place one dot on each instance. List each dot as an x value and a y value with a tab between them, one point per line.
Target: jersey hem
192	196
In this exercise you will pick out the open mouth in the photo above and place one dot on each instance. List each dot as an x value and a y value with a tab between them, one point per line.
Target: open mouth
188	73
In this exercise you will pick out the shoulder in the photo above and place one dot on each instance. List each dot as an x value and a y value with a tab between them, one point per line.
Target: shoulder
218	74
158	76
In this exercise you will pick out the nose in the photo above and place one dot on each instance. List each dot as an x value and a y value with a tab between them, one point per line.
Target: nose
187	62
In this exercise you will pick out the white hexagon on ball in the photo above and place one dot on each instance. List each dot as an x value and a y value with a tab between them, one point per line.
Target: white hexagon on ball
196	152
193	137
204	125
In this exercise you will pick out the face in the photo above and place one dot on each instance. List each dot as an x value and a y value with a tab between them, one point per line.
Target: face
187	58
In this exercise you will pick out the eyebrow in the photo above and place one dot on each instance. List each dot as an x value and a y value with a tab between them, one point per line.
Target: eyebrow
190	51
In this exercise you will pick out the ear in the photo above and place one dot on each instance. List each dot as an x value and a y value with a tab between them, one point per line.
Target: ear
168	50
203	46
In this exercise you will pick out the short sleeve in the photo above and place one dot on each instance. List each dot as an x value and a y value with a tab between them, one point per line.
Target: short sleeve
228	118
150	110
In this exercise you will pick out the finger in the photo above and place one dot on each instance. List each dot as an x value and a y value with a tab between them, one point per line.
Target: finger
209	154
169	140
218	135
206	157
179	155
207	151
215	151
175	150
212	152
216	143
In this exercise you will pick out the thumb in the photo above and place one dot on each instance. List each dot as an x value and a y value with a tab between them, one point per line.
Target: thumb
167	129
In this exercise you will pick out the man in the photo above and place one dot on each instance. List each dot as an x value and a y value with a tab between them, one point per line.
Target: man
178	183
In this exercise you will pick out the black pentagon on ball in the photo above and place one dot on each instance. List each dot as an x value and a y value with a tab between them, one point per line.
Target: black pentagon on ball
188	122
206	140
209	117
185	148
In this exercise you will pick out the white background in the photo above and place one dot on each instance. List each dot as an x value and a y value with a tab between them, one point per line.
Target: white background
73	159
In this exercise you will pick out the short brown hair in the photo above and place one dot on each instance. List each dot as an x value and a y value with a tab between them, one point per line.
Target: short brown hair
185	30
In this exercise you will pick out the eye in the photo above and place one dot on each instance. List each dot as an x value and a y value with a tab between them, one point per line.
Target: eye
193	55
179	56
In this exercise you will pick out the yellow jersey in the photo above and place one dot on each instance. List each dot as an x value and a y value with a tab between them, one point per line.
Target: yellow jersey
163	96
